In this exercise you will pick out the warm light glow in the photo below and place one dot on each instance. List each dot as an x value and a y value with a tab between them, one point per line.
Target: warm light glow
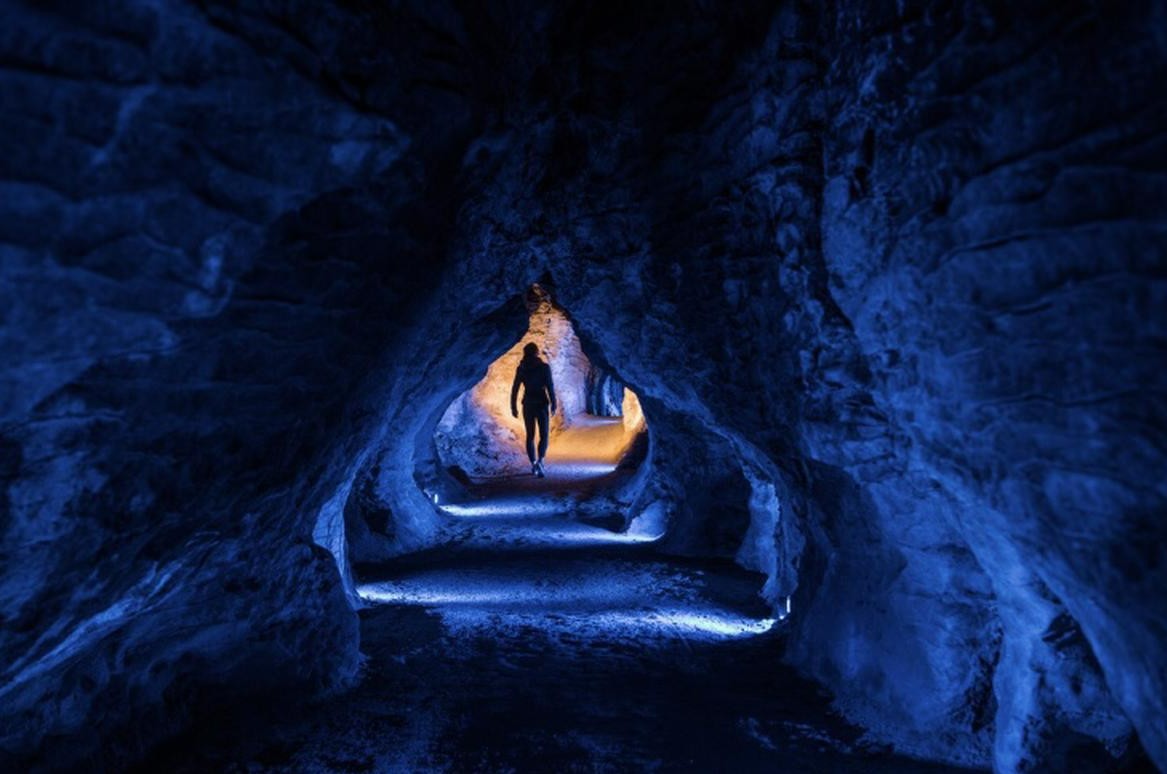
481	419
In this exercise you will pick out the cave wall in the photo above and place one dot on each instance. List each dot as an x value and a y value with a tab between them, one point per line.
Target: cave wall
209	240
886	280
992	215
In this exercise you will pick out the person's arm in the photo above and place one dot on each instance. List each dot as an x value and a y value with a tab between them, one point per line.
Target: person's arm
515	395
550	389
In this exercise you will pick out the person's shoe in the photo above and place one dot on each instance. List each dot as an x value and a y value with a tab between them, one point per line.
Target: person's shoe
539	469
534	468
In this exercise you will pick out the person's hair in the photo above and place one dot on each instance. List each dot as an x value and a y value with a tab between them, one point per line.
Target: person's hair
531	350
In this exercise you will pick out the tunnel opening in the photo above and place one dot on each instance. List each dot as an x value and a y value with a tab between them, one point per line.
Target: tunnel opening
598	434
584	550
597	456
615	477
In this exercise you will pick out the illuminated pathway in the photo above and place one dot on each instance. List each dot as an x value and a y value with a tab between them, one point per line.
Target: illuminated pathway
566	578
532	642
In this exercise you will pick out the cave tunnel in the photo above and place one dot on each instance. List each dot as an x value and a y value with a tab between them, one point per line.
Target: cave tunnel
855	312
592	432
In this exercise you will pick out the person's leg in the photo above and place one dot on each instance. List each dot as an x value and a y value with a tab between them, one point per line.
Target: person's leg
529	424
544	418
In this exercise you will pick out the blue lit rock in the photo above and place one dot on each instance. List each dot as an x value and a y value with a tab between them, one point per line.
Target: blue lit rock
997	249
889	283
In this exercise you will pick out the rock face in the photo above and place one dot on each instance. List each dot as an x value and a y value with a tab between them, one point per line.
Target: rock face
992	228
888	281
193	257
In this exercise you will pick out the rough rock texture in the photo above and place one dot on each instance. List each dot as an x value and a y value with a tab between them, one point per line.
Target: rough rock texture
190	275
605	394
887	277
993	227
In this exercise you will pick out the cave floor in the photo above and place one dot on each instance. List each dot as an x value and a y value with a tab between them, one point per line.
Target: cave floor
533	642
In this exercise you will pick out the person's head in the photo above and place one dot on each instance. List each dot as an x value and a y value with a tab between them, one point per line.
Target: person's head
531	351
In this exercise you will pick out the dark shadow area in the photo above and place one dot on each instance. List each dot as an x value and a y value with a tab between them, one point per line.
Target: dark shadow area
528	698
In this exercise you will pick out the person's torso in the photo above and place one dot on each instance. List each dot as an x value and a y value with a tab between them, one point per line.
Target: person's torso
535	378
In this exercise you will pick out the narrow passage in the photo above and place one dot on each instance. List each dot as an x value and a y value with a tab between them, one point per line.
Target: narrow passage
531	641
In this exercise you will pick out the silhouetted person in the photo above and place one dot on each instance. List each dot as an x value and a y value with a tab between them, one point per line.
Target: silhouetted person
538	402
